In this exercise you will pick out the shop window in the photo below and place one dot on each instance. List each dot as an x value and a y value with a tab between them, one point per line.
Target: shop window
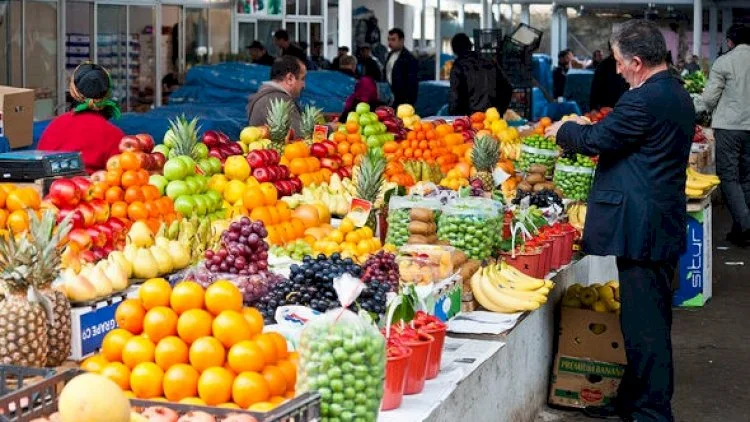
40	55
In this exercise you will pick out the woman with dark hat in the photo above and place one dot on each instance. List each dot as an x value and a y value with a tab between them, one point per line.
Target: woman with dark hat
86	128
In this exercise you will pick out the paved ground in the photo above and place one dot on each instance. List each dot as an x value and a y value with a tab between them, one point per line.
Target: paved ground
711	344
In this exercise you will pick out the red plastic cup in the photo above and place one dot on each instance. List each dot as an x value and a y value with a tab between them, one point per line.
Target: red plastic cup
396	370
558	247
546	261
436	351
527	262
417	373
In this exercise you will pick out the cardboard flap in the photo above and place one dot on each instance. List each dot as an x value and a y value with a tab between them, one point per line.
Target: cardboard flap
592	335
17	107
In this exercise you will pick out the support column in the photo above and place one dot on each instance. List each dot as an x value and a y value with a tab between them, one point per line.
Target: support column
389	14
423	25
345	24
697	26
726	22
555	36
485	18
563	28
438	41
526	14
461	15
713	22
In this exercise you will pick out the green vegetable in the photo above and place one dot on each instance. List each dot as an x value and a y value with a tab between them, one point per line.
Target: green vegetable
695	82
574	176
539	142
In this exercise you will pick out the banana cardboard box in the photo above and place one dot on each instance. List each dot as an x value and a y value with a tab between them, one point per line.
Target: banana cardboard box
590	359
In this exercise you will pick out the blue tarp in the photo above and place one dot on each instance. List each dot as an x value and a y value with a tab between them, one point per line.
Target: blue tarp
578	87
541	70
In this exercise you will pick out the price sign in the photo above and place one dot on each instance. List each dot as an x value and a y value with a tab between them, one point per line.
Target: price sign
95	325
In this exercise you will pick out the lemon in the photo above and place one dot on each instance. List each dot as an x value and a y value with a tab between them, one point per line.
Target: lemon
352	237
233	191
346	225
236	167
492	114
499	126
218	182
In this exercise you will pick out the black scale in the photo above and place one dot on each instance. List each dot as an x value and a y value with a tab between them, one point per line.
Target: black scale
29	166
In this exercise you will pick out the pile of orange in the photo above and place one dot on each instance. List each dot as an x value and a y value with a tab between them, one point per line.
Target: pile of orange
130	197
196	346
301	164
260	202
349	143
15	203
543	124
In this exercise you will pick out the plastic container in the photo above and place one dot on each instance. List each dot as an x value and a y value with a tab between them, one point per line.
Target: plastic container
14	378
570	238
575	181
473	225
558	249
530	155
405	210
436	351
546	260
417	373
396	370
528	261
425	264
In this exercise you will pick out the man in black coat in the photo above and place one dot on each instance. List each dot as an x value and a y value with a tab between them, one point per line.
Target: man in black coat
477	83
287	48
259	55
401	69
637	210
607	86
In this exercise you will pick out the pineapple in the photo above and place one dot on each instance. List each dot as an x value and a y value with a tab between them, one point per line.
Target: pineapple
279	123
311	116
369	181
485	155
47	269
182	136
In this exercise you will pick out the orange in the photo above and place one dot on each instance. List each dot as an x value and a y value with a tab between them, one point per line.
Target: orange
358	149
352	127
268	345
280	343
23	198
290	394
194	324
112	177
114	194
246	356
137	211
186	295
293	357
129	315
545	121
170	351
229	406
273	236
146	380
223	296
3	216
155	292
252	198
206	352
284	212
277	400
153	213
275	379
134	194
129	178
273	213
180	382
289	370
113	343
270	195
94	363
339	137
150	192
3	196
160	322
119	373
230	328
215	386
342	147
193	400
129	161
298	166
261	214
18	221
262	407
119	209
249	388
137	350
353	138
142	176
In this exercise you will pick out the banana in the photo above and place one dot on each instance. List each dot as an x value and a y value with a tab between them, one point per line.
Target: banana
693	193
710	178
483	300
504	300
692	183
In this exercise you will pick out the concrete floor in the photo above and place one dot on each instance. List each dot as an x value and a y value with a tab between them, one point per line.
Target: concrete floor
711	344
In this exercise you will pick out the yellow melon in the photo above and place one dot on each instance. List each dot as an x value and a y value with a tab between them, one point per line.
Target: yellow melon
77	404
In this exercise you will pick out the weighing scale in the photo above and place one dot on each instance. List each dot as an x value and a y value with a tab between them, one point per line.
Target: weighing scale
29	166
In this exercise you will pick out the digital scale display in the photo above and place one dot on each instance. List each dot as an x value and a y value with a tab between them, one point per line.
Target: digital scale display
32	165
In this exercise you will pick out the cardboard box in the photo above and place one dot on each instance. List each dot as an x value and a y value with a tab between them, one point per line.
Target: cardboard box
91	323
695	267
580	382
591	335
448	300
17	116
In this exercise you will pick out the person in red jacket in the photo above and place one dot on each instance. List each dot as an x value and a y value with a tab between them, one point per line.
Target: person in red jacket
366	88
86	128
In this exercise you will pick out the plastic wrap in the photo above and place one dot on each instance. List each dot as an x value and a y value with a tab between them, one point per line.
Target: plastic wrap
575	181
531	155
473	225
412	219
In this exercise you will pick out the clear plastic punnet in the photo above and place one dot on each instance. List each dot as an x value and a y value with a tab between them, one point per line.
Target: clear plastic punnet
473	225
530	156
575	181
412	219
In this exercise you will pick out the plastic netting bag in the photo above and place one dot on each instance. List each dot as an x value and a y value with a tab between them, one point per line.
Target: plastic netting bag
575	181
412	219
473	225
342	357
253	287
531	155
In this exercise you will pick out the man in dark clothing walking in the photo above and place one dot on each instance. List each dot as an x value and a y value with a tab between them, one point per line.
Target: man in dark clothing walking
281	40
342	51
401	70
607	86
259	55
637	211
477	83
317	60
560	73
369	65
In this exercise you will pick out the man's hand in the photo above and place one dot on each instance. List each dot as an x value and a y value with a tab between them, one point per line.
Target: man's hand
552	130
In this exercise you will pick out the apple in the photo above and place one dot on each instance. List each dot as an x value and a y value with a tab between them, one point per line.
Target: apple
98	176
89	216
88	256
211	138
159	160
147	162
107	232
215	153
99	253
329	163
97	237
159	181
129	143
215	198
319	150
281	187
101	210
370	130
193	184
362	108
146	142
200	150
330	146
262	174
84	186
284	172
256	159
116	224
185	205
76	221
216	165
296	182
80	237
163	149
364	120
353	116
175	169
201	205
64	193
177	188
189	163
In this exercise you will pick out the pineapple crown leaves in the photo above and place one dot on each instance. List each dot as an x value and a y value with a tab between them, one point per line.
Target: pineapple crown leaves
185	135
486	153
311	116
370	175
278	120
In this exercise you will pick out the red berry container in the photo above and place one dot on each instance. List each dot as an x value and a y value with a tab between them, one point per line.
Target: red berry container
396	370
417	373
436	351
528	261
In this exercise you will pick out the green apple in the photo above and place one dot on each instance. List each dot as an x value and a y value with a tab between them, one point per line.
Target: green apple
363	108
175	169
215	165
201	204
189	163
200	150
193	184
215	198
177	188
382	128
162	149
352	117
370	130
205	166
185	205
159	181
373	141
364	120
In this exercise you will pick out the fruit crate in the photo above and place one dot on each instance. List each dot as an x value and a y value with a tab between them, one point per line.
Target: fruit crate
14	378
488	42
40	400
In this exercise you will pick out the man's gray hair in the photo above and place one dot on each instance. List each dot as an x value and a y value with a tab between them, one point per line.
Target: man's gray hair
640	38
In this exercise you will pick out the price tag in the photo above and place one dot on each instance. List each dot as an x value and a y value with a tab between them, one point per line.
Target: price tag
500	176
320	133
94	325
359	211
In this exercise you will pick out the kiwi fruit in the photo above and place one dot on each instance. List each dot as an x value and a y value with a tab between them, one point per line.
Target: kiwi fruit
538	169
525	186
535	178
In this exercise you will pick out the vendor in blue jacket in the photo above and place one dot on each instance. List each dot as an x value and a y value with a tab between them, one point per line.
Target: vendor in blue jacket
637	210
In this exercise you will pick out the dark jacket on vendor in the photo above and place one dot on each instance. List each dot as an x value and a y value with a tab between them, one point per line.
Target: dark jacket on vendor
637	206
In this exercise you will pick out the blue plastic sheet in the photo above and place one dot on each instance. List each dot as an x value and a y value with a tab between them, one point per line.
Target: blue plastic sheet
578	87
541	70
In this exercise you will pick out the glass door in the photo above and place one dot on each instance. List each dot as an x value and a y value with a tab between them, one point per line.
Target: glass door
219	25
245	36
266	28
112	48
79	38
142	54
40	55
10	43
197	48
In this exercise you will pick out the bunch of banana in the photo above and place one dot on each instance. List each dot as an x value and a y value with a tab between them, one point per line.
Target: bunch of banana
510	150
200	234
577	215
503	288
597	297
698	184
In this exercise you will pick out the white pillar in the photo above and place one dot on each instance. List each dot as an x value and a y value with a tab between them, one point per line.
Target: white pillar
389	14
345	24
555	36
423	25
697	26
438	41
713	21
461	15
409	22
526	14
726	22
563	28
485	18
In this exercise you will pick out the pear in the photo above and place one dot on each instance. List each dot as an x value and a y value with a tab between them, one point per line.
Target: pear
140	235
163	260
162	242
336	183
179	254
130	251
117	257
78	288
144	265
101	283
116	275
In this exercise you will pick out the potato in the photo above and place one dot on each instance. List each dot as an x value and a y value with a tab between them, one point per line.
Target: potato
422	214
469	268
458	258
432	239
535	178
525	186
537	168
417	239
420	227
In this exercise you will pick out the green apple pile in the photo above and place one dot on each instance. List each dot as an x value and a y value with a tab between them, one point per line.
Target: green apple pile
374	132
188	189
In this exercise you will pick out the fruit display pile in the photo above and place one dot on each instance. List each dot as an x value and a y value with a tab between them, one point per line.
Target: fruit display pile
602	298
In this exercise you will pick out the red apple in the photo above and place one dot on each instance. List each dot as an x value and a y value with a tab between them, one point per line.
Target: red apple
224	138
101	210
89	217
80	237
330	146
273	156
106	231
117	224
256	159
84	186
99	253
329	163
296	183
145	141
64	193
318	150
211	138
76	221
216	153
97	237
129	143
262	174
159	160
235	148
284	172
88	256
